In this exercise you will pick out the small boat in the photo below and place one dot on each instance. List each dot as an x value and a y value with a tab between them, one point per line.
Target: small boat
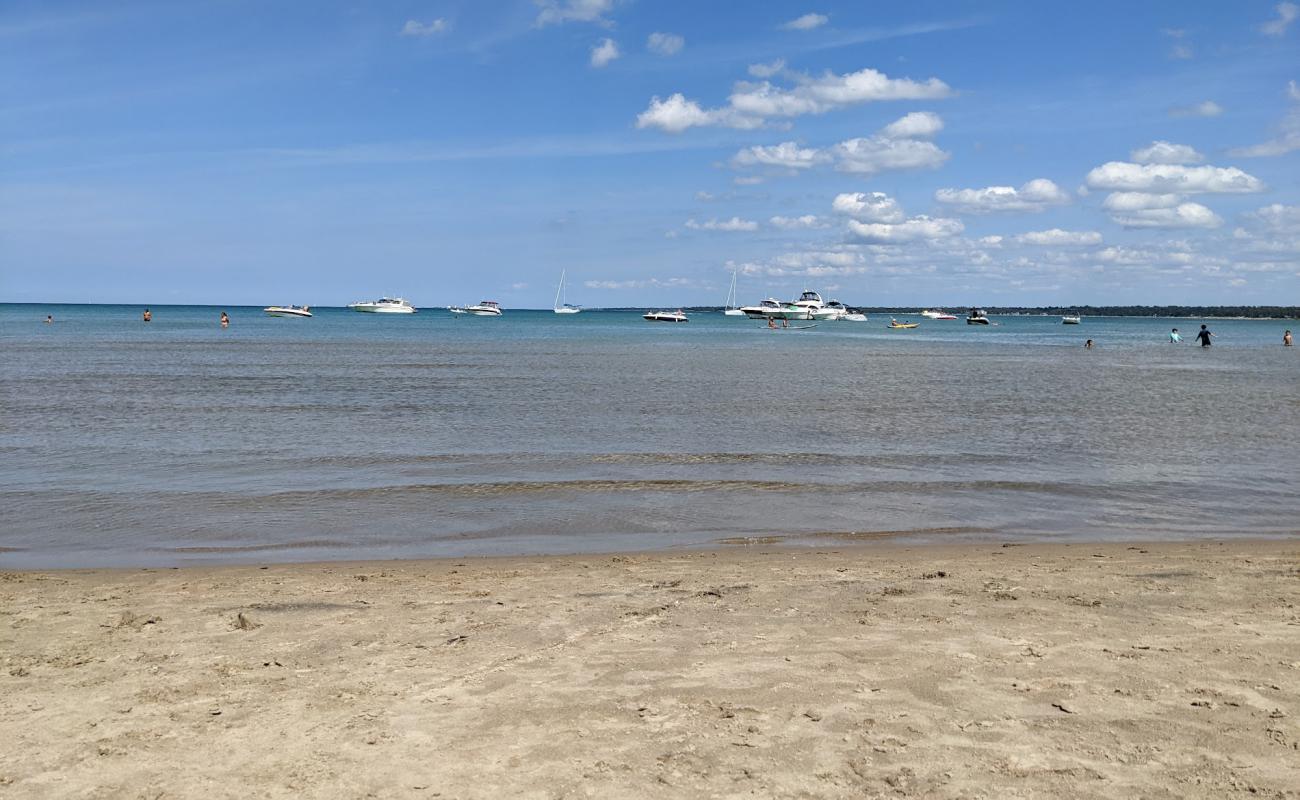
288	311
1071	319
937	314
853	316
977	317
893	323
729	308
665	316
562	307
485	308
384	305
457	309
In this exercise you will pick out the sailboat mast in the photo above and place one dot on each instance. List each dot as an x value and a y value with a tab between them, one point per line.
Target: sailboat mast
559	292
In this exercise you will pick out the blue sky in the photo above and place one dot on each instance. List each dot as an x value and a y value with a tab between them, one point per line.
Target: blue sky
927	153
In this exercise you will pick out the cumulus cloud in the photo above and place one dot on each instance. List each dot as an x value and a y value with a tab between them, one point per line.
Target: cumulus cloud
1036	195
1276	218
793	223
786	154
1162	152
604	52
916	125
1208	108
1172	178
732	225
1286	14
1134	201
417	28
665	44
554	12
751	105
767	70
868	207
911	230
872	154
1059	238
1183	215
806	23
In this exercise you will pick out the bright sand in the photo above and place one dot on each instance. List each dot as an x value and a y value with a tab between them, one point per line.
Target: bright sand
1092	670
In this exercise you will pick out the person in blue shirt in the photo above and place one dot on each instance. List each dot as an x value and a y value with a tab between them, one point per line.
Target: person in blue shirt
1175	337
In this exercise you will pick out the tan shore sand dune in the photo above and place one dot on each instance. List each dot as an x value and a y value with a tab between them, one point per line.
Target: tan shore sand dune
1093	671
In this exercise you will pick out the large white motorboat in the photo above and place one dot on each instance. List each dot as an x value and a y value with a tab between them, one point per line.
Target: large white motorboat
485	308
730	308
810	306
665	316
562	307
1071	319
937	314
288	311
384	305
771	307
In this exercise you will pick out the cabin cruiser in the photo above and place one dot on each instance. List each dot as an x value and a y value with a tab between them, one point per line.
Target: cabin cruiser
977	317
1071	319
288	311
384	305
665	316
771	307
937	314
485	308
833	310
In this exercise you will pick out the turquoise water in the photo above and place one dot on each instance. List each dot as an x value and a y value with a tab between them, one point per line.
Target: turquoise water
350	436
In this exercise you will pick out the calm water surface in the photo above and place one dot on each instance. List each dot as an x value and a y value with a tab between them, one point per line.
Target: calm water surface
350	436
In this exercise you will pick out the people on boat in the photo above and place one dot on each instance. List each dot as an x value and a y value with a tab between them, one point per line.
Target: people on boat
771	322
1204	336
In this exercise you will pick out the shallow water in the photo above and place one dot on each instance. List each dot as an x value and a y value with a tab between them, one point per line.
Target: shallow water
351	436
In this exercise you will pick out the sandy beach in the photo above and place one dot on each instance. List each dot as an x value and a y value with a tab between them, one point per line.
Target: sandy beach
1101	670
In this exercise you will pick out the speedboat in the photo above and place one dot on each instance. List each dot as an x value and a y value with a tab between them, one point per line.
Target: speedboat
1071	319
853	315
977	317
665	316
384	305
833	310
288	311
893	323
937	314
485	308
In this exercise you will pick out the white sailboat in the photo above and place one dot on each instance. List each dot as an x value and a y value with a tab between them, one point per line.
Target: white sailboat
731	310
562	307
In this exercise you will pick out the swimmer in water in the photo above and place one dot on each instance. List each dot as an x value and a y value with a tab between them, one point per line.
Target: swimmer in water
1175	337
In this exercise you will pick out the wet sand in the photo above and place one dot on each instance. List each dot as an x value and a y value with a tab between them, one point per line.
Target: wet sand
1150	670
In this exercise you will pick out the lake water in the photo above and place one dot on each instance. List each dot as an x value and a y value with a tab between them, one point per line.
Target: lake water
358	436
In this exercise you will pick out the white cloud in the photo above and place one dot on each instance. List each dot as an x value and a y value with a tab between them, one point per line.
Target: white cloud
750	105
1288	138
417	28
1036	195
786	154
560	11
1172	178
1162	152
912	230
869	155
792	223
1136	201
1276	218
731	225
1293	91
1059	238
1180	52
747	180
916	125
518	286
1286	14
873	207
651	283
806	23
665	44
767	70
1183	215
1208	108
604	52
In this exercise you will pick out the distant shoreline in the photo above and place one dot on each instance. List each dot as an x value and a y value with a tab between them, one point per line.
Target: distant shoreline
1154	312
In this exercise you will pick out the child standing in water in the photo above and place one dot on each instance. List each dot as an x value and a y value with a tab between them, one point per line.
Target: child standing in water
225	320
1204	336
1175	337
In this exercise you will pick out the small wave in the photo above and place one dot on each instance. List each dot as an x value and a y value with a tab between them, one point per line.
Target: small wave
257	548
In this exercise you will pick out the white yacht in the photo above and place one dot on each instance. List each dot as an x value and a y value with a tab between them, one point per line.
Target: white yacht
562	307
485	308
288	311
771	307
1071	319
810	306
838	312
937	314
977	317
384	305
665	316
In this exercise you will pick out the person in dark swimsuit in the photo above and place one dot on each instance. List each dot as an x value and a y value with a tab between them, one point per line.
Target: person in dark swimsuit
1204	336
